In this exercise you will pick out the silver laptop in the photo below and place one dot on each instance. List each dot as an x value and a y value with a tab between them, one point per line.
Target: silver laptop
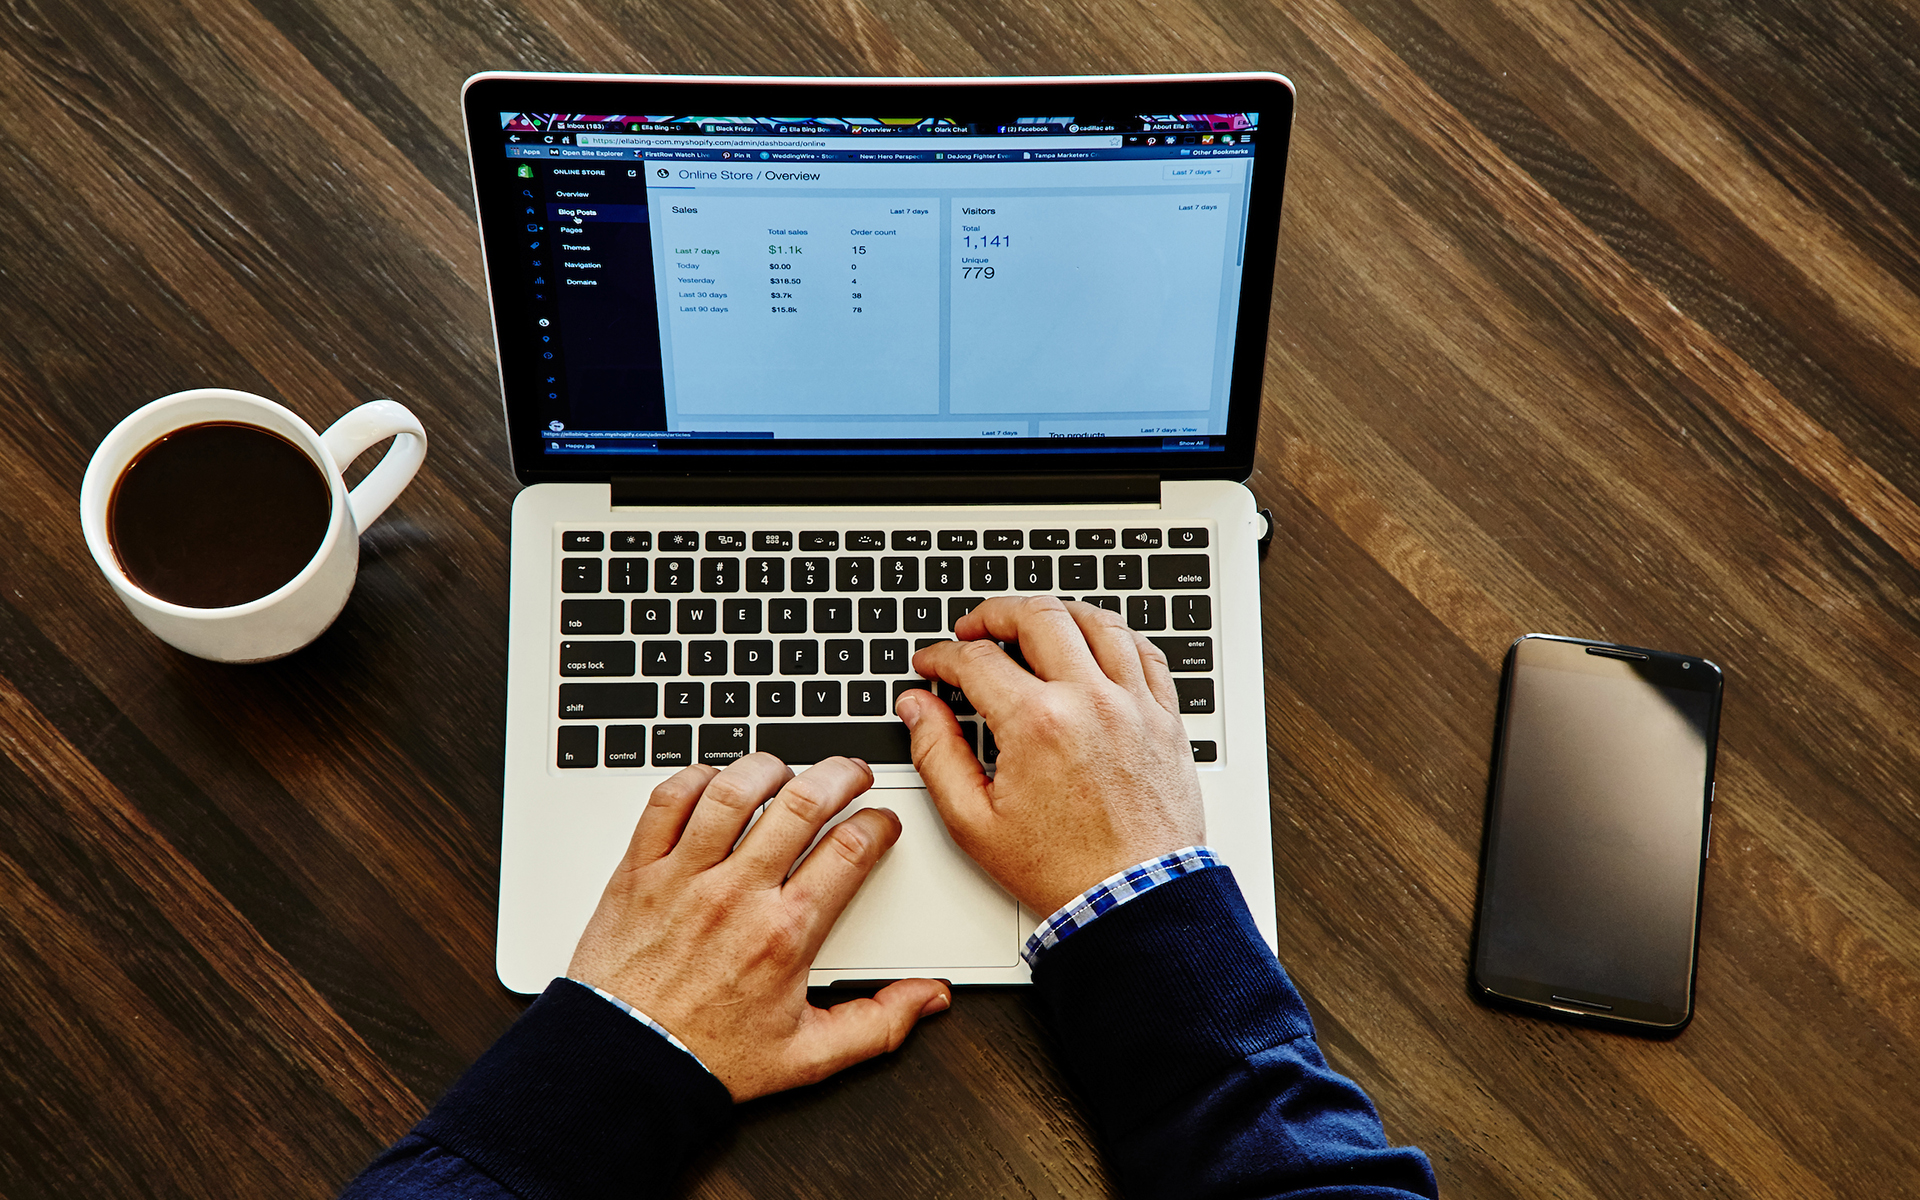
795	381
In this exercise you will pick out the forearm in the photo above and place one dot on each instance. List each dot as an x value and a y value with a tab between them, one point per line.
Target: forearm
1197	1059
415	1168
577	1099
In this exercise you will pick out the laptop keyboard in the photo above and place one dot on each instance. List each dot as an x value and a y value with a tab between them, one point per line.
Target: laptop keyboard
678	646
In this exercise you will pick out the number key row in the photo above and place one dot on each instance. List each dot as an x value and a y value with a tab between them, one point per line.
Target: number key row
943	573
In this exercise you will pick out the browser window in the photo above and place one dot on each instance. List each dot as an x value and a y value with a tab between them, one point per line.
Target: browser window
1013	290
791	280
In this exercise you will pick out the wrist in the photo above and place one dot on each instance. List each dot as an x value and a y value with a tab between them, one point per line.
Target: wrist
645	1020
1064	887
1118	888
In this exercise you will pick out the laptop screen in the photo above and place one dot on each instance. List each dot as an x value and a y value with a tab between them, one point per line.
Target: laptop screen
1047	275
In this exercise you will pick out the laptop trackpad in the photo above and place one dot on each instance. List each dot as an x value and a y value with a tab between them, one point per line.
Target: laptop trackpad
926	906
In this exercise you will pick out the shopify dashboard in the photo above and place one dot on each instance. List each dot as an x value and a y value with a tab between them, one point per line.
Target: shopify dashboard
808	282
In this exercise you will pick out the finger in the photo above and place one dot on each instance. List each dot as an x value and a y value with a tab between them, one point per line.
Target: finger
945	761
1049	638
666	814
857	1030
1153	660
726	806
820	887
1112	645
795	817
995	684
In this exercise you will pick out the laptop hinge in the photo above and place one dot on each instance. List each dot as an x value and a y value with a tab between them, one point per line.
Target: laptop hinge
635	491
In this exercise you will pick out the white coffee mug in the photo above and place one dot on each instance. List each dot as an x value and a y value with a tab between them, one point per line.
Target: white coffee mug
299	610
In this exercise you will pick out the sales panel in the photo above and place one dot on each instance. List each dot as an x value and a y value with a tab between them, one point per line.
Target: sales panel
806	278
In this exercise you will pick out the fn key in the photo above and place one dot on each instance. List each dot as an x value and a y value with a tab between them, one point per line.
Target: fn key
579	746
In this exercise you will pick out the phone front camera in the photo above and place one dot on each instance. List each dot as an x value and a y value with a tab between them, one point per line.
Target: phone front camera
1686	666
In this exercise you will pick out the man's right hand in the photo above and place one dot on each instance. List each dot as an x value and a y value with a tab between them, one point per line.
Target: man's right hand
1095	773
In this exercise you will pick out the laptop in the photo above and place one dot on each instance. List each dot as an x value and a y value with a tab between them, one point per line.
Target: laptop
794	381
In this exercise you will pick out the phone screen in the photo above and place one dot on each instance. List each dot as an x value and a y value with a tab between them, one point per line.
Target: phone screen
1603	769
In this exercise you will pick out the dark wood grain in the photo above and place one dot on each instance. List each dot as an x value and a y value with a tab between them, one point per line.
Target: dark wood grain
1598	318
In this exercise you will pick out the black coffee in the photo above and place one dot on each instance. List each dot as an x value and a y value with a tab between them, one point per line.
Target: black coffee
218	514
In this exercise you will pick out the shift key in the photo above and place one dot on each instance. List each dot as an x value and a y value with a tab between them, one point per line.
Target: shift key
1186	653
596	658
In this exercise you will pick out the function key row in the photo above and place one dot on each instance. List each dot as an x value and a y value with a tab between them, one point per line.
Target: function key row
769	541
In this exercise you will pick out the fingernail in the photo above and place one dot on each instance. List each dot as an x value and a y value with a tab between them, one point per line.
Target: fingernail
939	1003
907	708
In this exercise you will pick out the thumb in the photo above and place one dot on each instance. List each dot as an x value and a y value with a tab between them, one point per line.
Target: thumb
857	1030
944	760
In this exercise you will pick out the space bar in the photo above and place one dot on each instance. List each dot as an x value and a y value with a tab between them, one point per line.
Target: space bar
811	741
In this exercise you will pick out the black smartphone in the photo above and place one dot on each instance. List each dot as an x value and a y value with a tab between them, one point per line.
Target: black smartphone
1599	822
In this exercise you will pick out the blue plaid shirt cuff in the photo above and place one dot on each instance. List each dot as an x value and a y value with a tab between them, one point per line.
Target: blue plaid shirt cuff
1111	893
648	1021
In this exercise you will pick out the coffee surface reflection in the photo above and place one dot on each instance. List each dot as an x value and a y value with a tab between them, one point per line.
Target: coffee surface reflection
218	514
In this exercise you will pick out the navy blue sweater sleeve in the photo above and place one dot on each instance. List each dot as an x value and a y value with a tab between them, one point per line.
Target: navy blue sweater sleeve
1196	1058
576	1100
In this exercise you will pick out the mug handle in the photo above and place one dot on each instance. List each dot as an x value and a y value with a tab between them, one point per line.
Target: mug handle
350	436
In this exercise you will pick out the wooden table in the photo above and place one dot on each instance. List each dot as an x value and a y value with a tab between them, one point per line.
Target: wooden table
1595	318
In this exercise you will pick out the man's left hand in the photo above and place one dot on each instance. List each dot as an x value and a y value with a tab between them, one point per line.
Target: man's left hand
713	940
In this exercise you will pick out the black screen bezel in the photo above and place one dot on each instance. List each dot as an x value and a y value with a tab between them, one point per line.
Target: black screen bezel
486	96
1538	997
